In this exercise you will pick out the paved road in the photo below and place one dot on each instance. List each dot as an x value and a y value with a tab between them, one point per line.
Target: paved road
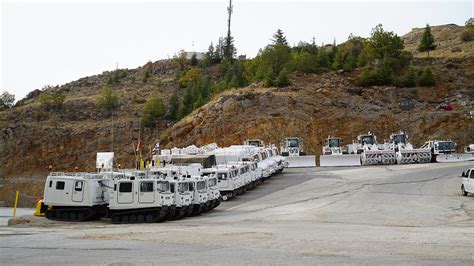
395	214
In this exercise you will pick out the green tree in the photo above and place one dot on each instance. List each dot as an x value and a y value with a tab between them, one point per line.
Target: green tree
152	112
6	100
408	79
467	34
146	75
108	99
282	78
279	38
174	105
194	60
323	58
426	78
427	41
383	44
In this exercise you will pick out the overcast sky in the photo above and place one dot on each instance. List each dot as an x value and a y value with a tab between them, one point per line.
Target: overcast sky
54	42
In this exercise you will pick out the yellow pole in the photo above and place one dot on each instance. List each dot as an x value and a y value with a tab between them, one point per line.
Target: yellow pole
16	203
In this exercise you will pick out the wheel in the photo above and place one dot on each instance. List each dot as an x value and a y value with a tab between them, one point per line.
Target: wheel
81	216
140	218
224	197
149	218
72	216
133	218
125	219
115	219
463	191
65	216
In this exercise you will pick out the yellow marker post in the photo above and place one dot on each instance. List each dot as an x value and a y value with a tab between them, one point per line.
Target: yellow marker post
14	206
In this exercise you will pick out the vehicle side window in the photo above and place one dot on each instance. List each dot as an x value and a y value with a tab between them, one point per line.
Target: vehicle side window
471	174
60	185
146	187
191	186
125	187
78	185
50	183
172	187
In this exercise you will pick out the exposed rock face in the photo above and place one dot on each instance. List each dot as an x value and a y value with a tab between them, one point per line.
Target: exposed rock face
316	106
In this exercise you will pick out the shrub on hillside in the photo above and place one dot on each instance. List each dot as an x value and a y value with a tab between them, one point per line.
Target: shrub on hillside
116	75
52	101
408	79
426	78
108	99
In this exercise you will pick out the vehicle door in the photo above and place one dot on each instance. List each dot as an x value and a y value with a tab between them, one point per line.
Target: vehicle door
78	191
470	182
125	192
147	192
223	180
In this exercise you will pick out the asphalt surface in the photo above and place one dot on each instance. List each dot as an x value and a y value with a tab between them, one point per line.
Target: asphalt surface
408	214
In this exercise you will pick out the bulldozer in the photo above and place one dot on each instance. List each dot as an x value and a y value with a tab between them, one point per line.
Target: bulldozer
333	154
371	152
444	151
292	150
404	151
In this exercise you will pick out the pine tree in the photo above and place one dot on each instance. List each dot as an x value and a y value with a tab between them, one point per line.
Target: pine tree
279	38
174	105
427	41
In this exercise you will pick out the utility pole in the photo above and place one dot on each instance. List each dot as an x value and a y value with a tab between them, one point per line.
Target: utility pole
228	50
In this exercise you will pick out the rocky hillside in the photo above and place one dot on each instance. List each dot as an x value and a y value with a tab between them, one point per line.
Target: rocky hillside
314	106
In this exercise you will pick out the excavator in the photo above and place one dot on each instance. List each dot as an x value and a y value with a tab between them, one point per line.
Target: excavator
292	150
333	154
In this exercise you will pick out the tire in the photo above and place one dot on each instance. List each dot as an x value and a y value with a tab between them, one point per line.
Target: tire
464	192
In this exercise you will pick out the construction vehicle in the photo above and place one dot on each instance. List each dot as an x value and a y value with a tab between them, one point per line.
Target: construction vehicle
443	151
292	150
198	187
134	198
254	142
469	148
74	196
404	151
467	182
371	152
333	154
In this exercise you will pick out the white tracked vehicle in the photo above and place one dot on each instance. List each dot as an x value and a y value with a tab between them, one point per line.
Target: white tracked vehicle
334	155
75	197
371	153
292	150
443	151
404	151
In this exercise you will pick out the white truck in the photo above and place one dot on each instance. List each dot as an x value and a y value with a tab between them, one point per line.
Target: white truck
467	182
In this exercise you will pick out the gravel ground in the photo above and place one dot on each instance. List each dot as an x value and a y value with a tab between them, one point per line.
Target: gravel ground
408	214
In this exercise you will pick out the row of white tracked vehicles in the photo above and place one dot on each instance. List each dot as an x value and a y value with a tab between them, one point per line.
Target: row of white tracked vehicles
242	167
131	196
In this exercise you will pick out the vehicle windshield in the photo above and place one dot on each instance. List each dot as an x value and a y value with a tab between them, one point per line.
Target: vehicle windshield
292	143
182	187
334	143
446	146
367	140
255	143
400	138
201	185
212	182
